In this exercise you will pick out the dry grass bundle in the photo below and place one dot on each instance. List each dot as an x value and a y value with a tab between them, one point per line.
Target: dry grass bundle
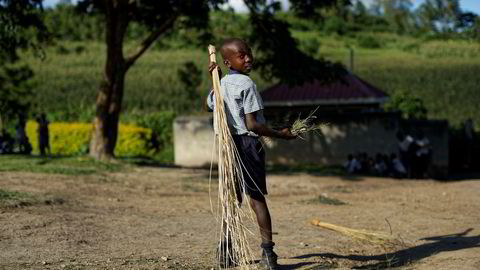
230	184
383	240
302	126
299	127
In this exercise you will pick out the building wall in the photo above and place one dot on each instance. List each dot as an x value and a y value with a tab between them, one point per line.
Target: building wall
340	136
193	141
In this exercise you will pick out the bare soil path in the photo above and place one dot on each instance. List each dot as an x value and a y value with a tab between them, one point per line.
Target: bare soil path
160	218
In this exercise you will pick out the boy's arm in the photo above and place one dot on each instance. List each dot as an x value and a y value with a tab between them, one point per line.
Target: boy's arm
211	67
263	130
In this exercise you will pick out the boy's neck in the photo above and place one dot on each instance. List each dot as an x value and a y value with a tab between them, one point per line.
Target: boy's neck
233	71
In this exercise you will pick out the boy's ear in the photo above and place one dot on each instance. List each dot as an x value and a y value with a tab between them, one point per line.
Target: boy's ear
226	63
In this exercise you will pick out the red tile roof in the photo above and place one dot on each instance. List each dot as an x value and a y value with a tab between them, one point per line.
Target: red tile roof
351	90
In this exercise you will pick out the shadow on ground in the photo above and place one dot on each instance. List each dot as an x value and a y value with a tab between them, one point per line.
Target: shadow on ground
444	243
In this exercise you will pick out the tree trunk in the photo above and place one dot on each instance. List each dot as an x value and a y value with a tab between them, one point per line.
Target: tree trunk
110	92
109	101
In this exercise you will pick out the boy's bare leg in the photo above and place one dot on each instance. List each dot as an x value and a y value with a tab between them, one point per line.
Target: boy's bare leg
269	257
259	206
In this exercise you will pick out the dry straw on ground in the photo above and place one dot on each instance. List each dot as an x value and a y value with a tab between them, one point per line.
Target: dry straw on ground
383	240
233	232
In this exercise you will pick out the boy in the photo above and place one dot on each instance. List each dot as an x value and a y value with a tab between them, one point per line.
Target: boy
244	109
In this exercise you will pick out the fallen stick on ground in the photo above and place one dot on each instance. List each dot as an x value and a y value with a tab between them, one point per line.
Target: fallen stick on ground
380	239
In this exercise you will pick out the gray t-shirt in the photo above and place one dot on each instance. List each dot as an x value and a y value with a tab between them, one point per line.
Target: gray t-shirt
241	97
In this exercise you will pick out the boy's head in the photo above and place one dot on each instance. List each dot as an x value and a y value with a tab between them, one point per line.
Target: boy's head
237	55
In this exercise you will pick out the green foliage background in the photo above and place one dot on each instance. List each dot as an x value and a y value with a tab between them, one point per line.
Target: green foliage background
443	74
421	68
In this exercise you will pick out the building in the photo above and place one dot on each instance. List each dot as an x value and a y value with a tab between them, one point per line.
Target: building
349	111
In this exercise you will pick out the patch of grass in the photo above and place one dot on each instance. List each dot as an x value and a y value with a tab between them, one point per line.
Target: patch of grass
15	198
20	199
12	195
322	199
57	165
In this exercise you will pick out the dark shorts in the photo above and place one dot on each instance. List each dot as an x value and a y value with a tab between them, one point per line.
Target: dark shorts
252	154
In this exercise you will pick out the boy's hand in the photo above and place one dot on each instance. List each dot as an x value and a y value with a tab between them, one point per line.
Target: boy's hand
287	134
212	66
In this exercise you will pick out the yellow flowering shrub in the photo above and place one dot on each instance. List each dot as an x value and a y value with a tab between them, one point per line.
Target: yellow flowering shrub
132	140
74	138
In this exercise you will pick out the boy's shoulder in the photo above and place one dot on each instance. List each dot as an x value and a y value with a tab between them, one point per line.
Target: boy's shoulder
239	80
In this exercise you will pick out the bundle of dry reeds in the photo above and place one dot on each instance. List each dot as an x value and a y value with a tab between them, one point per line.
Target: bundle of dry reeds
299	127
380	239
302	126
233	232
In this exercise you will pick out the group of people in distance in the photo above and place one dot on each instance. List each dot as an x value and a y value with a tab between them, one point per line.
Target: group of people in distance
20	144
412	161
381	165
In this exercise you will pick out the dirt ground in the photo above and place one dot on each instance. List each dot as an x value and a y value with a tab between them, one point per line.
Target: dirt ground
160	218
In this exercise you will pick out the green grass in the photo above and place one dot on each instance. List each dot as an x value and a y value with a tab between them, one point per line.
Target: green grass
444	74
322	199
21	199
57	165
12	195
152	84
15	198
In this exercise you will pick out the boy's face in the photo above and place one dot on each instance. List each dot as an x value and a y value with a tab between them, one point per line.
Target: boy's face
239	57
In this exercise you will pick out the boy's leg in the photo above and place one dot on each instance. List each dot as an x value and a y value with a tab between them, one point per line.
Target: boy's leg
259	206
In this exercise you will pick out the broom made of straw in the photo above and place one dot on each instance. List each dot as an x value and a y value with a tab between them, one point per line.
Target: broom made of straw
230	183
380	239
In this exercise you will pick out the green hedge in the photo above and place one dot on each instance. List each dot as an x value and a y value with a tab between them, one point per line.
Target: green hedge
74	138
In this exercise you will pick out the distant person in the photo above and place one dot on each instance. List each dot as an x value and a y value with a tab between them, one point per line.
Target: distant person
423	155
406	149
469	134
20	136
42	133
364	163
6	143
1	141
398	169
352	165
380	167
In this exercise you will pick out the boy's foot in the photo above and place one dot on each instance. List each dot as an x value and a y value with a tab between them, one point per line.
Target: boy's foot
269	257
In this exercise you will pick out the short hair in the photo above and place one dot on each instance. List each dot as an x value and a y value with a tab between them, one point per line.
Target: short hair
229	41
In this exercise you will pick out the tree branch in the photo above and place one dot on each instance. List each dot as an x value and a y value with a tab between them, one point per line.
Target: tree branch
149	40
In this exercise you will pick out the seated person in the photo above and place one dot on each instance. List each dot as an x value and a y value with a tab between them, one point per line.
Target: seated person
352	165
397	166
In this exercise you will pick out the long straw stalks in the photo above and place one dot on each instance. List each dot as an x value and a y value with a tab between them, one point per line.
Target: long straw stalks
233	242
379	239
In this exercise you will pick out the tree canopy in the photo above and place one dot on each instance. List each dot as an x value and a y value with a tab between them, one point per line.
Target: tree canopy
21	26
